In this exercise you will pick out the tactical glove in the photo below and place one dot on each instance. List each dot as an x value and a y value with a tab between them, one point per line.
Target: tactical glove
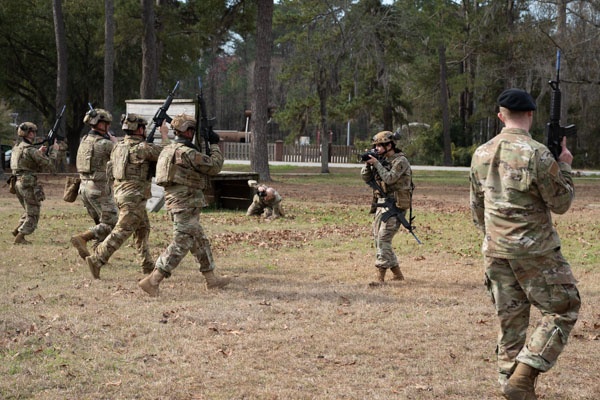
213	137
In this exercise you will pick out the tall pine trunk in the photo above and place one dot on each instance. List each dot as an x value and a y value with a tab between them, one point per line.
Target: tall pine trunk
149	60
444	105
109	54
259	157
62	72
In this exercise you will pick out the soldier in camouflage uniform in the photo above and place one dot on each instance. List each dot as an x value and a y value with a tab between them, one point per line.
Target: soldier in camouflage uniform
61	156
515	184
95	189
183	170
25	161
391	170
266	202
130	161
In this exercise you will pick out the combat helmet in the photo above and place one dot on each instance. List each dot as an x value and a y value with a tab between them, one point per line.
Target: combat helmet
130	122
92	117
383	137
25	127
182	122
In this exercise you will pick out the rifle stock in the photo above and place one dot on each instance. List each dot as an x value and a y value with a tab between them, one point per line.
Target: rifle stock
554	131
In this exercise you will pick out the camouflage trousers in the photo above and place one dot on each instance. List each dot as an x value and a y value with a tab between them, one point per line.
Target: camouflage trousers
383	233
30	195
133	220
98	200
514	285
188	236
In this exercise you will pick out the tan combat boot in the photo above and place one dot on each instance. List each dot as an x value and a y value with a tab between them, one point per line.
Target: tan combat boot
79	242
212	282
380	278
95	265
150	283
397	274
521	384
20	239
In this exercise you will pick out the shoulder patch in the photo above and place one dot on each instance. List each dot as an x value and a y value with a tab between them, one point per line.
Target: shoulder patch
554	170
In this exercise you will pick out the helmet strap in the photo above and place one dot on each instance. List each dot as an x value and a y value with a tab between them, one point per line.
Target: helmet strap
104	128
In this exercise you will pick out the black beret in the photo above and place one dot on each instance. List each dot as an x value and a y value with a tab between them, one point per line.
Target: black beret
516	100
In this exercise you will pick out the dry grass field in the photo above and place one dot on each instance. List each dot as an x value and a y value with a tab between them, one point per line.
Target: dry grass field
299	320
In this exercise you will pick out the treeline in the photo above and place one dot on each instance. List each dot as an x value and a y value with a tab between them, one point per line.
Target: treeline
432	69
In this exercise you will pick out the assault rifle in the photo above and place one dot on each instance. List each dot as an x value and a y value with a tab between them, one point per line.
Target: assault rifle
203	126
554	132
393	210
161	114
52	133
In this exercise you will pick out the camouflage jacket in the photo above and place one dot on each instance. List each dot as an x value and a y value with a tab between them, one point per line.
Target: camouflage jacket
393	173
133	183
93	155
515	184
181	196
272	202
26	159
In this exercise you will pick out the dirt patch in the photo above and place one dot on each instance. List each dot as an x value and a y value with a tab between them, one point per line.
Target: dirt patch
431	197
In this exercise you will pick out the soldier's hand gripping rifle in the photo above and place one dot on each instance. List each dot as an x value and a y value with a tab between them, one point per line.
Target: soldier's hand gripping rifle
203	125
52	133
393	210
161	114
554	132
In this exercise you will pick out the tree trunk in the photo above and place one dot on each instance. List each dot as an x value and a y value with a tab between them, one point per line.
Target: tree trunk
561	30
149	61
259	157
109	54
322	91
62	72
444	106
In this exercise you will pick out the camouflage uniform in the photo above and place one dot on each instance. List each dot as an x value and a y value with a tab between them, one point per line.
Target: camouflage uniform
394	175
130	163
61	156
95	190
25	161
515	184
184	171
270	207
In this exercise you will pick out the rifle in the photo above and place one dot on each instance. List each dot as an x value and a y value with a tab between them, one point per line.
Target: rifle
203	127
52	133
161	114
393	210
554	132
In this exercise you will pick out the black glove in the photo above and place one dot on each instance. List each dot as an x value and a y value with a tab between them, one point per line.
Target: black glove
213	137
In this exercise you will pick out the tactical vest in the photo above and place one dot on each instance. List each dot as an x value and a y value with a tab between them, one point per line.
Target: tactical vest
171	170
126	165
19	160
401	190
403	194
86	163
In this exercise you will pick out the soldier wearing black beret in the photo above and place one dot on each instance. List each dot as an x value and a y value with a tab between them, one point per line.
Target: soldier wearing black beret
515	185
516	100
